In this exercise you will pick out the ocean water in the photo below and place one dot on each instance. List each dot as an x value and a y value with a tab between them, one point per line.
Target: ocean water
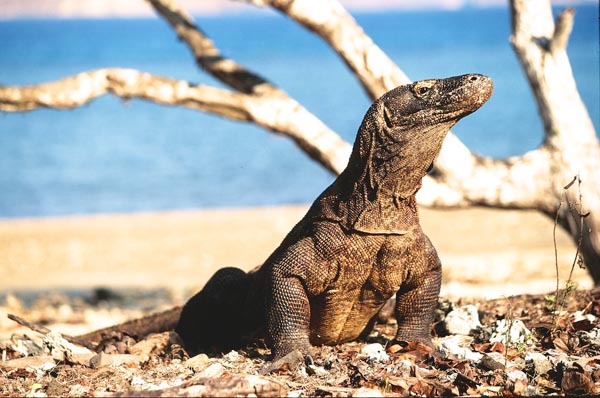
128	156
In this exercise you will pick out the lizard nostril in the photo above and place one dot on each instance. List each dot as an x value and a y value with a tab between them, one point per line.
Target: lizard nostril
473	78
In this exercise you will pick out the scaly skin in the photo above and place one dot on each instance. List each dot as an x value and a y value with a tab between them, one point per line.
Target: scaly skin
359	244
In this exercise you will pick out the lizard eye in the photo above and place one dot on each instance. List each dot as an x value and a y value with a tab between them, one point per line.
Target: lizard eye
422	88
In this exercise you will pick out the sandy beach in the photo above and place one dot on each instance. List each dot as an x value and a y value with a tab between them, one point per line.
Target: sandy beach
485	252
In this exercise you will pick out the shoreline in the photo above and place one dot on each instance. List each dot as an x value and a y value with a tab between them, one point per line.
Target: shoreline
485	252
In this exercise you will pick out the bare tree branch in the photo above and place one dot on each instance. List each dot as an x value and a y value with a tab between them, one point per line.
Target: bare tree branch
208	55
77	90
462	178
330	20
571	139
564	25
275	109
279	114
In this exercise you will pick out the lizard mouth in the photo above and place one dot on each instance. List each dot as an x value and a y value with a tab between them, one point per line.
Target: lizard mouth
474	93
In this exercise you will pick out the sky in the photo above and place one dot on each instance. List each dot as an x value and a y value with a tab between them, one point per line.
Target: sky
10	9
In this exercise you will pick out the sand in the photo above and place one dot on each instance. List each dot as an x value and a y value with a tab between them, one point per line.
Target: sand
485	252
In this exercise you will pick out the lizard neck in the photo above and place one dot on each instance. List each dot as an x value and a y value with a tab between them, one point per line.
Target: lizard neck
376	193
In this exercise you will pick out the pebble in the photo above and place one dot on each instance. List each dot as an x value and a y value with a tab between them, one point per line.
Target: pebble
213	371
592	337
516	375
317	370
462	320
493	361
367	392
540	363
232	356
375	352
197	362
454	345
512	332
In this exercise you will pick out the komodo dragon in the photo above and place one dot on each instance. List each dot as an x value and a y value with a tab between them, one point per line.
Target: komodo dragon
359	243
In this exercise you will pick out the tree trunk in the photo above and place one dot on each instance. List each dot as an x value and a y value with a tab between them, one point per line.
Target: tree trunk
570	137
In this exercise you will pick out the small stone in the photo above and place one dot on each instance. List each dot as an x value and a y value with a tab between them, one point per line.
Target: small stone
581	316
137	381
492	361
591	337
540	363
455	345
511	333
99	360
462	320
366	392
375	352
519	381
212	371
232	356
316	370
516	375
577	382
196	363
25	346
404	368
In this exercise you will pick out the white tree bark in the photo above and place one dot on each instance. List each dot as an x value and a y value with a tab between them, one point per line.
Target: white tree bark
534	180
570	137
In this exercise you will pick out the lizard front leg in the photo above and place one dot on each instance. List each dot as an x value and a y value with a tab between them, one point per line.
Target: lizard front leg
417	300
288	314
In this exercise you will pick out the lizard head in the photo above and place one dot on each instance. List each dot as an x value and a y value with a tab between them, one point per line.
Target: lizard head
403	131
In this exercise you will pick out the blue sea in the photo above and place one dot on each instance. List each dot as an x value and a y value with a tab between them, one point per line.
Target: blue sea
113	155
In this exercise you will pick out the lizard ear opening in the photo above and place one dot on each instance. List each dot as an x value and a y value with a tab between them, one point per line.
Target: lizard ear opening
386	117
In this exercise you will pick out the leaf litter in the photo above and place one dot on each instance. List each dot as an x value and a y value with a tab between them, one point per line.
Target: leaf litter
515	346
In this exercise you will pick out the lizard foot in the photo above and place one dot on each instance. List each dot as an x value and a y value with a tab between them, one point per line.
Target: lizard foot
287	362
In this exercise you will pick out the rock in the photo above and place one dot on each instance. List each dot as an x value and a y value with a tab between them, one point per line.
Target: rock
518	382
539	362
581	316
155	343
316	370
592	337
43	362
462	320
403	368
493	361
366	392
212	371
196	363
516	375
511	333
375	352
232	356
577	382
101	359
455	345
25	346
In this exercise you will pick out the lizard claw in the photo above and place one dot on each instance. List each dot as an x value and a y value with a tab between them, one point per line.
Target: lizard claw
287	362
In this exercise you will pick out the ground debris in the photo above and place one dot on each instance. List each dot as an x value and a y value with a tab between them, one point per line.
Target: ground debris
511	346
